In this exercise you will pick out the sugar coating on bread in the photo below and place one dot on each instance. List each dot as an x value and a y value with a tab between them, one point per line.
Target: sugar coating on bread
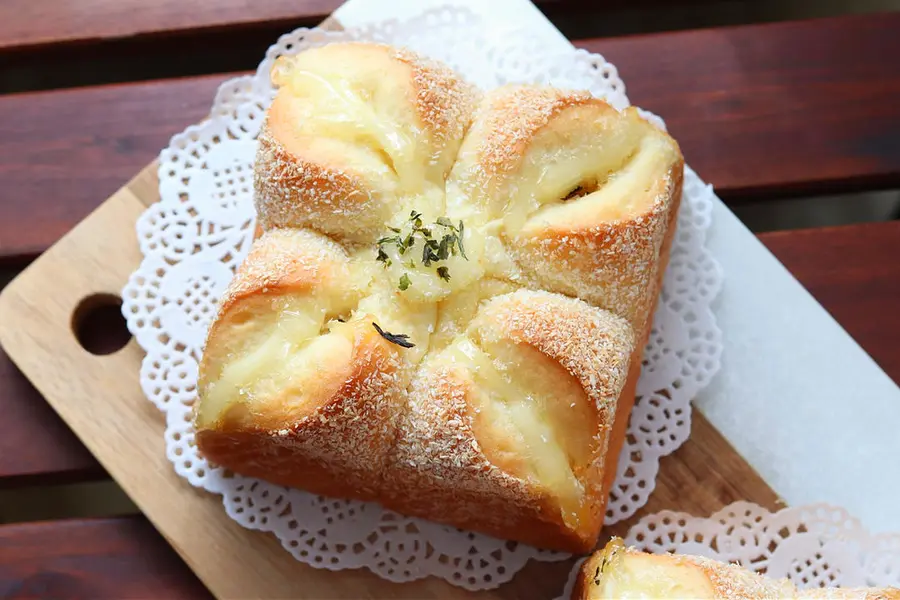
290	351
587	343
489	448
357	131
444	101
513	115
446	311
579	195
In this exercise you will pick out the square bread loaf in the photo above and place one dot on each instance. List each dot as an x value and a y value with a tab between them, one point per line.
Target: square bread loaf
447	305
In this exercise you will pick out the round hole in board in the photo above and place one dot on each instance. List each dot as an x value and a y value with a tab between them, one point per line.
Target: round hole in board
98	324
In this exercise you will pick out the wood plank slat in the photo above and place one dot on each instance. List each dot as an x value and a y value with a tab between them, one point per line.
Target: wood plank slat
45	588
798	107
120	557
64	151
757	109
124	556
854	272
36	447
843	267
26	23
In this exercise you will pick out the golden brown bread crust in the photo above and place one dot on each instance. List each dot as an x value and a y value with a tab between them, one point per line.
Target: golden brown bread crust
332	437
287	261
374	423
292	191
280	262
606	257
347	185
513	123
338	447
502	133
651	299
704	577
613	265
441	468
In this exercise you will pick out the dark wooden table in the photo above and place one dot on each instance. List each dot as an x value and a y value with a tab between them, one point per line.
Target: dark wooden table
763	112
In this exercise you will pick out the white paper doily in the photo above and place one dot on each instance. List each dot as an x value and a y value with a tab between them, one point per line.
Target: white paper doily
202	228
813	546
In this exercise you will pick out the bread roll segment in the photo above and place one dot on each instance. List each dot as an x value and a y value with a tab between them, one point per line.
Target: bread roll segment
356	135
583	198
575	197
295	388
625	573
508	426
487	387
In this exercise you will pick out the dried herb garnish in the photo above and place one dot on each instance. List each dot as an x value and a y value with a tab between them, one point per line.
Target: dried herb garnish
401	339
434	248
383	257
459	240
429	253
607	558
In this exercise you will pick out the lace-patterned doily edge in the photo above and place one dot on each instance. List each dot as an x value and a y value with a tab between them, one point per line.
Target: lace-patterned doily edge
849	529
228	87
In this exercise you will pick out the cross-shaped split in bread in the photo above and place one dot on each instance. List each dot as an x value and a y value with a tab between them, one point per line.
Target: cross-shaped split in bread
516	240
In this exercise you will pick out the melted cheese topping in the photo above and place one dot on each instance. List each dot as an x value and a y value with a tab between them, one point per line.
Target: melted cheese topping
622	196
354	98
533	418
456	312
538	416
280	358
426	285
498	261
638	576
394	313
341	110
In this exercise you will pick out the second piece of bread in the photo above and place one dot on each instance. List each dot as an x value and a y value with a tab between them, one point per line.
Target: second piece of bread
623	573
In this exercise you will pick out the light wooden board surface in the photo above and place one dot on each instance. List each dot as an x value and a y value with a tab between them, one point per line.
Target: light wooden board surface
100	398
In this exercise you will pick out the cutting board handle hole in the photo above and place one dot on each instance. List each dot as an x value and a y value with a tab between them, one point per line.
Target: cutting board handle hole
98	324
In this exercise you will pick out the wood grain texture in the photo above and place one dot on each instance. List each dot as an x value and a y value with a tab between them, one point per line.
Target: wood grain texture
757	110
100	399
35	445
63	152
843	267
706	474
96	555
105	558
799	107
28	23
854	272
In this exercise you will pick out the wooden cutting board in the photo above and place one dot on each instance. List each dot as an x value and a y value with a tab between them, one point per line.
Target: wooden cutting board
100	398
